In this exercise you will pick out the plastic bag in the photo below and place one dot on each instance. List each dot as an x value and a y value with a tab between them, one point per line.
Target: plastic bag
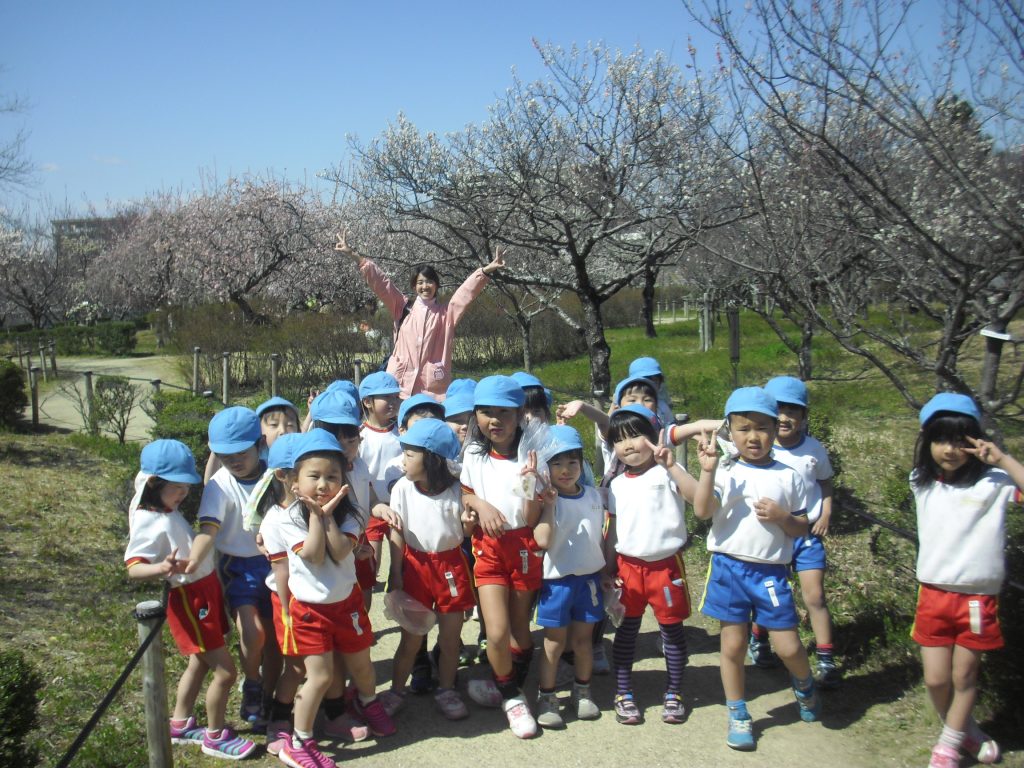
536	437
613	606
410	614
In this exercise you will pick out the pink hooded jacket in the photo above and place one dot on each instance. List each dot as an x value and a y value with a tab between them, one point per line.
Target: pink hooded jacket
422	356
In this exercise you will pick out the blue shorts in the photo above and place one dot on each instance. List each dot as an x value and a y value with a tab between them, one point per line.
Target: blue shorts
244	582
735	588
808	554
568	599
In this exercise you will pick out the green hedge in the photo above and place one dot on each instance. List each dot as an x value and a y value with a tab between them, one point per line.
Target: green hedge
13	397
108	338
19	708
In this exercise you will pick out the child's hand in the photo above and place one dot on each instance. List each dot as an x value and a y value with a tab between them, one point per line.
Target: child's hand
343	247
820	527
363	552
548	495
171	565
312	396
490	519
327	510
663	455
986	451
261	547
568	411
769	511
470	517
609	579
388	515
707	451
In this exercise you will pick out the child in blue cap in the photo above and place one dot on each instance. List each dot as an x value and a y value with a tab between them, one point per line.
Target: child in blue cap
508	568
650	369
962	483
277	417
458	407
757	507
235	438
161	546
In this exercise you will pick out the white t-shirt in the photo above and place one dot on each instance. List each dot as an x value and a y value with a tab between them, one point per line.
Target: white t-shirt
429	523
810	460
377	448
394	470
649	519
492	478
735	529
222	505
577	541
326	582
153	535
962	533
269	530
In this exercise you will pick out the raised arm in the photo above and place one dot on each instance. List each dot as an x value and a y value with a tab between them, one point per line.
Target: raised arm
472	287
705	503
379	283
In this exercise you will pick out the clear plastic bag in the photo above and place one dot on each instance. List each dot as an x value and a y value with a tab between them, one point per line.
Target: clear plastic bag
613	606
409	613
536	437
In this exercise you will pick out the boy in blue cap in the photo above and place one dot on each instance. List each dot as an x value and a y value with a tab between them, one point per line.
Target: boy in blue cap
378	395
757	507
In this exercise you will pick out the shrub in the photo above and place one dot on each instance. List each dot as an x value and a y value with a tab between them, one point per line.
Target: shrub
117	339
13	397
19	708
114	399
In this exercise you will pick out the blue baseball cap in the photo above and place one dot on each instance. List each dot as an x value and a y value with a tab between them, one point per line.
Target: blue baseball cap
234	430
564	438
378	384
459	397
752	400
644	368
524	380
274	402
950	402
787	389
343	385
435	436
170	460
630	380
315	441
415	402
282	453
499	392
641	410
336	407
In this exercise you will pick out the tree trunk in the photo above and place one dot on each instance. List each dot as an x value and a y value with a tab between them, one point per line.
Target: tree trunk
526	331
990	365
597	345
648	303
804	355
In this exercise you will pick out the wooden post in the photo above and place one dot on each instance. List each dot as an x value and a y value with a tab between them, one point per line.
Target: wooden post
154	692
358	371
156	386
53	357
17	348
33	381
599	467
224	369
275	366
89	403
42	360
195	370
673	310
733	316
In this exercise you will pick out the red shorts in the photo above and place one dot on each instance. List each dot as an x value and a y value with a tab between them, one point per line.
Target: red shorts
366	569
377	529
438	579
514	560
953	618
281	632
323	627
196	616
660	584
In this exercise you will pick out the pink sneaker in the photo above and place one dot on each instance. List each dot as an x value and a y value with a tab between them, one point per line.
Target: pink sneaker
190	733
346	727
485	693
519	718
944	757
392	701
228	746
451	704
985	750
376	718
279	733
306	756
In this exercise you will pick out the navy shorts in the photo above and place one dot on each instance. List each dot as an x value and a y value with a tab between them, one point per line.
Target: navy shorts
808	554
244	582
735	588
568	599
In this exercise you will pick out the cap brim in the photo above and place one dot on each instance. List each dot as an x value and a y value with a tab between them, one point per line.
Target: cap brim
229	448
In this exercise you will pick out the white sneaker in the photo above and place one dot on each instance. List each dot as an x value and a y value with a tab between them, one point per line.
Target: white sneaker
519	718
485	693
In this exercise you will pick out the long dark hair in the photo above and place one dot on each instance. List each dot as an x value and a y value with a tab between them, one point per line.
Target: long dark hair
947	427
345	509
273	494
480	443
439	476
150	498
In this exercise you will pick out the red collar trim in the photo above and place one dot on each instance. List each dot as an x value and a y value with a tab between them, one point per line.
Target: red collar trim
378	430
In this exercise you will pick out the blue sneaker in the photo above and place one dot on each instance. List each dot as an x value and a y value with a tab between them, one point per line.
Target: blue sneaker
810	704
741	734
761	654
252	701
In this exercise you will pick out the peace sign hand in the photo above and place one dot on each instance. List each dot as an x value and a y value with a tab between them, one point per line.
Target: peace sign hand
987	452
663	455
343	247
707	451
498	262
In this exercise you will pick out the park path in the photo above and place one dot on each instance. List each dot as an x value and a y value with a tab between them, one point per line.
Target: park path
58	409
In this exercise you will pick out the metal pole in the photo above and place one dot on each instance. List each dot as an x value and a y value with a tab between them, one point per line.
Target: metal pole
224	369
53	358
42	360
195	371
358	372
33	379
89	402
154	693
275	366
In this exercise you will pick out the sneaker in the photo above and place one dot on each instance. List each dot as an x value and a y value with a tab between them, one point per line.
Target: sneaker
547	711
279	732
422	680
252	701
189	733
392	701
810	704
985	750
586	708
466	655
346	727
229	746
601	665
306	756
481	651
451	704
827	676
760	652
565	674
741	734
378	721
519	718
944	757
485	693
626	711
673	712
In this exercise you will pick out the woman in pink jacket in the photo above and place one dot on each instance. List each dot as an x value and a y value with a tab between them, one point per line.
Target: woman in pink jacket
421	359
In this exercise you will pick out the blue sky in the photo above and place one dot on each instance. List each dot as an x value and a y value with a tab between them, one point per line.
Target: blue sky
128	98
